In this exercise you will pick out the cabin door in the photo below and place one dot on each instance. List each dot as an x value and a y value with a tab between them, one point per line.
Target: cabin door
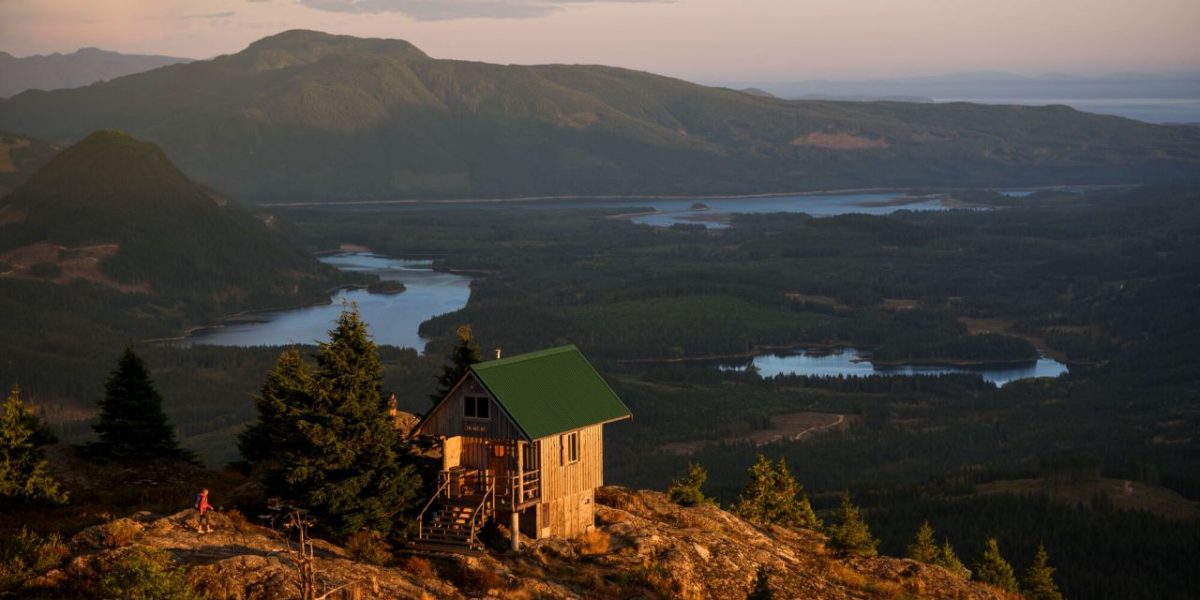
502	465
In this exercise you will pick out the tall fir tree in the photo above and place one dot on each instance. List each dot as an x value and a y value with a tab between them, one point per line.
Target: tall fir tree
285	397
1037	583
774	497
849	532
132	425
23	473
685	491
923	548
336	450
948	559
464	354
993	570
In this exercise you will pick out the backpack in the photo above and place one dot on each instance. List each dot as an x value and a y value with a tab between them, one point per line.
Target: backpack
196	504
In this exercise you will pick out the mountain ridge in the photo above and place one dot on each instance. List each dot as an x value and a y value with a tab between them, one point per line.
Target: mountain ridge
146	225
304	115
68	70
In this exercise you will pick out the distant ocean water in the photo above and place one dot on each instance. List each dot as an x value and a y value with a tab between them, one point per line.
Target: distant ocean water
1151	110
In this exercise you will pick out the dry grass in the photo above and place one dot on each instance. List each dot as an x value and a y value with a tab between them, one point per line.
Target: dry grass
593	542
419	567
369	547
120	532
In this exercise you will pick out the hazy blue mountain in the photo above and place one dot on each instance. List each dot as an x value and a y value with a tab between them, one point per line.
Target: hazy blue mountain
304	115
82	67
1153	97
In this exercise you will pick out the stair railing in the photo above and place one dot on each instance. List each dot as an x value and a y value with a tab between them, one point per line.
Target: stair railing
487	506
443	488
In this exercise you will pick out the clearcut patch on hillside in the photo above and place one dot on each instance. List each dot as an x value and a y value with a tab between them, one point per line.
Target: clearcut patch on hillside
839	141
81	262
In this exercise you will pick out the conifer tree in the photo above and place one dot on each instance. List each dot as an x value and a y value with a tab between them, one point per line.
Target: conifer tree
23	474
774	497
132	423
685	491
948	559
923	548
337	452
283	399
993	570
1038	581
464	354
849	532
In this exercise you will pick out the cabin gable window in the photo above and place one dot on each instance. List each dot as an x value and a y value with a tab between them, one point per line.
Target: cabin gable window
476	407
569	448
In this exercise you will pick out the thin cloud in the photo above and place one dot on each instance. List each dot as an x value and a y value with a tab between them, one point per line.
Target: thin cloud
441	10
218	15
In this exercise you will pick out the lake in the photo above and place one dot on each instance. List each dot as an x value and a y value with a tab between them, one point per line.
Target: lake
664	212
392	319
850	362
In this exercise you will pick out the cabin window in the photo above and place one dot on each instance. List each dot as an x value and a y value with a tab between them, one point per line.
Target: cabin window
569	447
475	407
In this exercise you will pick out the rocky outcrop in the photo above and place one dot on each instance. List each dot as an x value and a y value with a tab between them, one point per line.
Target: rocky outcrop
643	547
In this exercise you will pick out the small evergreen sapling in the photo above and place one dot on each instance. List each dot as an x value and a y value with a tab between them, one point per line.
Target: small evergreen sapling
1038	581
948	559
993	570
923	548
23	473
685	491
774	497
849	532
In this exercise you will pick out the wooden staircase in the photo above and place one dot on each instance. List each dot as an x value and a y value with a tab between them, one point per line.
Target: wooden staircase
449	524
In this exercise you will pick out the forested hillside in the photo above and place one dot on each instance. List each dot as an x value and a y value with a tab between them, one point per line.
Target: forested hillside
109	242
304	115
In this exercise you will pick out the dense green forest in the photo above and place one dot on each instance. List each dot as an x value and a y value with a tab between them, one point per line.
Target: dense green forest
1105	281
304	115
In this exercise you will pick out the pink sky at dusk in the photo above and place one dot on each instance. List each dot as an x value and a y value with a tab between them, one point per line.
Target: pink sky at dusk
694	39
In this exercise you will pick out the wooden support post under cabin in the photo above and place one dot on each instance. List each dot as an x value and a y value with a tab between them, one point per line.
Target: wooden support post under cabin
516	531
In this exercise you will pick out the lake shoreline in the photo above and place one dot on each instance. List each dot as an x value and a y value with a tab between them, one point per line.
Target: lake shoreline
698	197
258	316
833	348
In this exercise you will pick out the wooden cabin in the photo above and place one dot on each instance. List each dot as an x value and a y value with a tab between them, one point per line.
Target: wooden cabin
523	443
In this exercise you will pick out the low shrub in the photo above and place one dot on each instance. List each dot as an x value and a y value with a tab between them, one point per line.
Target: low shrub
419	567
368	546
141	574
26	555
120	532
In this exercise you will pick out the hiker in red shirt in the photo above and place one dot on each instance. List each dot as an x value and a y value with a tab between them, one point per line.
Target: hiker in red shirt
204	507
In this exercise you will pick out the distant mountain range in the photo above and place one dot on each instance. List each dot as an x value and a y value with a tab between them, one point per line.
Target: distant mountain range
307	116
1153	97
993	84
82	67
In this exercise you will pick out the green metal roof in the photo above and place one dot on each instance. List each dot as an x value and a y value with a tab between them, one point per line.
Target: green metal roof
550	391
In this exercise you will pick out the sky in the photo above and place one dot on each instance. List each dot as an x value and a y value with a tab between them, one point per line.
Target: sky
701	40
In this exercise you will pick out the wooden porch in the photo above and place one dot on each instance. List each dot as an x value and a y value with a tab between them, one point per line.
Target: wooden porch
469	495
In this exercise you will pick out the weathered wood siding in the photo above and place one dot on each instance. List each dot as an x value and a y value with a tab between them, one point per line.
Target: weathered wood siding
568	516
448	419
567	488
